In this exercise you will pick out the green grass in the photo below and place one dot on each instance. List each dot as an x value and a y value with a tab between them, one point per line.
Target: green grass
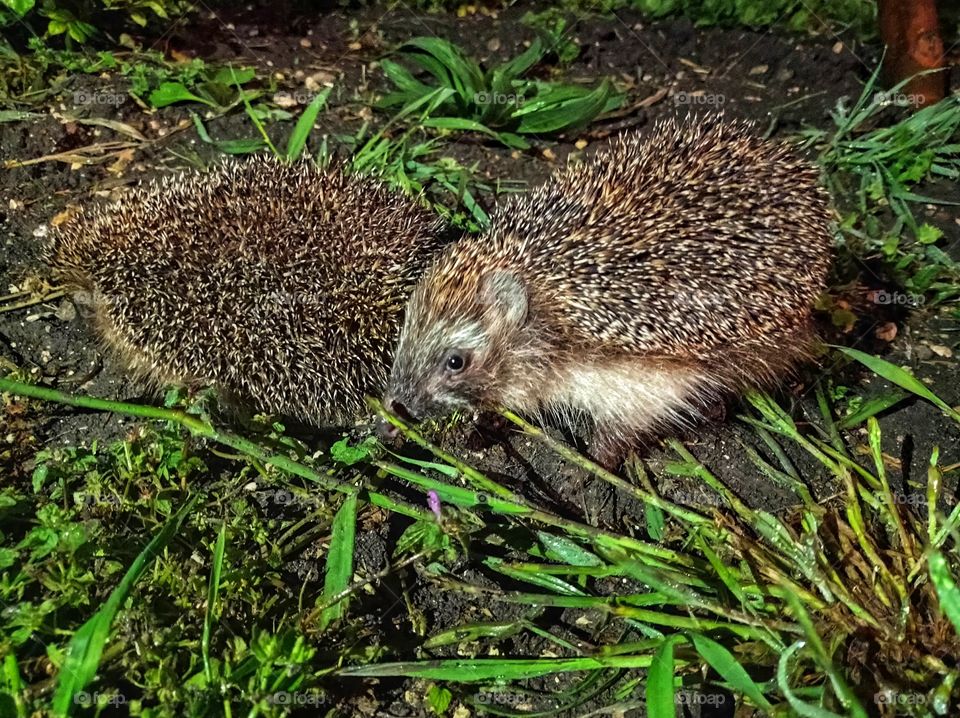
500	102
874	167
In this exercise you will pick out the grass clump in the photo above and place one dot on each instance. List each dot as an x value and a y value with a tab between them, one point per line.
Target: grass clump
874	168
500	103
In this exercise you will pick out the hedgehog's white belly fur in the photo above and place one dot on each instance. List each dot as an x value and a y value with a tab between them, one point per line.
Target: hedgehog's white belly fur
628	397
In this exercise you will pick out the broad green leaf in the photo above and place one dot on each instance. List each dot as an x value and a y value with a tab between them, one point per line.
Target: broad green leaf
86	646
170	92
655	521
513	69
234	75
564	114
345	453
457	123
464	72
339	562
564	550
304	126
439	699
403	78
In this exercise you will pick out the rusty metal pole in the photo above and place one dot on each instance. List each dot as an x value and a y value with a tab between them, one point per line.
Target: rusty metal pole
910	29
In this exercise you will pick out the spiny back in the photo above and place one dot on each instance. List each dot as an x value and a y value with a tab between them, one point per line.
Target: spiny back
281	284
695	236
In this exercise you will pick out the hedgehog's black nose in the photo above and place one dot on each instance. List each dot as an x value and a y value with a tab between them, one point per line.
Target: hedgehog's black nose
384	427
386	430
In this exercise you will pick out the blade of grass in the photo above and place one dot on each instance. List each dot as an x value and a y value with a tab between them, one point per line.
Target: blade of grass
251	114
339	561
304	126
659	690
485	669
13	684
903	379
946	586
213	593
724	663
804	710
872	407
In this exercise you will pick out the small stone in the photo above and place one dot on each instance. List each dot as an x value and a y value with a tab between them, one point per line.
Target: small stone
284	100
305	43
494	44
886	332
838	47
580	144
941	351
549	154
759	69
66	312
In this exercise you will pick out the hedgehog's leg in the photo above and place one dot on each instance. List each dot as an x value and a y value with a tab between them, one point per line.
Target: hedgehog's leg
609	447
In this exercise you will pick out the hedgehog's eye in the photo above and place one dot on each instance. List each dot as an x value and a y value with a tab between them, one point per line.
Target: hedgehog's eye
455	363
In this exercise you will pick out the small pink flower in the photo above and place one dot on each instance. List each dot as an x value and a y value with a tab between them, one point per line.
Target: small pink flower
433	501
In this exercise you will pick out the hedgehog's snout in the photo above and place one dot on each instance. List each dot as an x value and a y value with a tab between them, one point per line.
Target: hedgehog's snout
385	429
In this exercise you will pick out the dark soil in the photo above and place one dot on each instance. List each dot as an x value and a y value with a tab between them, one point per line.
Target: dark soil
783	82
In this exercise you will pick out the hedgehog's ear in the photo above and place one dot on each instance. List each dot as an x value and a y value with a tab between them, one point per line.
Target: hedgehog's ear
504	290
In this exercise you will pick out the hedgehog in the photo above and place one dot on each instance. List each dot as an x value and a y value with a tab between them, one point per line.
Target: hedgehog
637	290
280	285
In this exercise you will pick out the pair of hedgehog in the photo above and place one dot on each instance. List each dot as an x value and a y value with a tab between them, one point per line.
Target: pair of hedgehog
665	273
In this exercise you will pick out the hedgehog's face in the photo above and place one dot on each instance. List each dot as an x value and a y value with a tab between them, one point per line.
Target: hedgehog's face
455	346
